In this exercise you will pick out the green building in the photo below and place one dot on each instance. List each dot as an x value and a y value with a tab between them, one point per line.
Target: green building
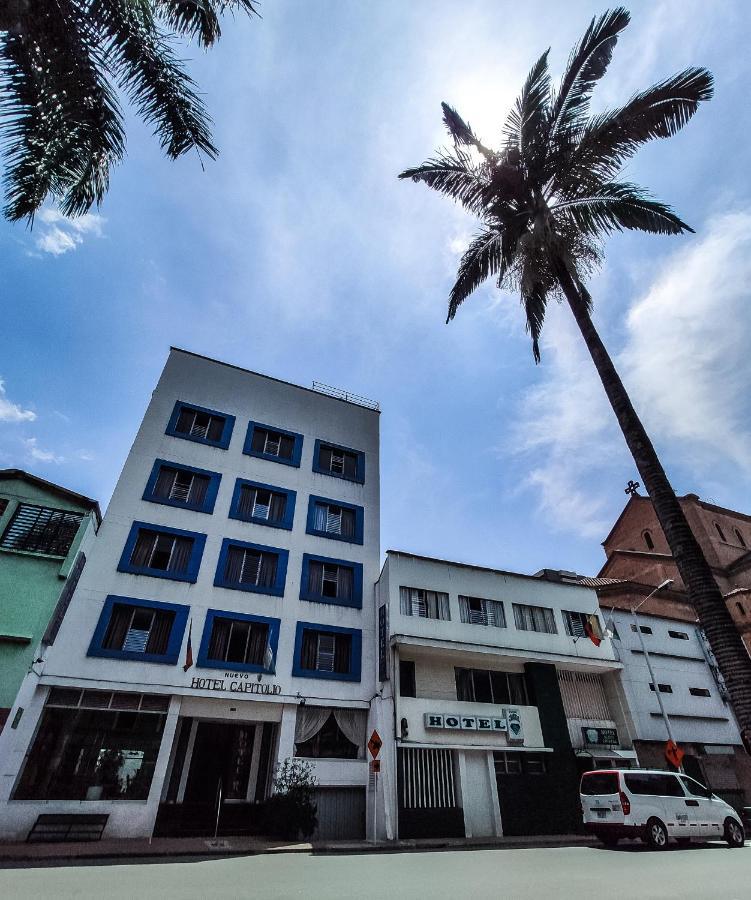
42	526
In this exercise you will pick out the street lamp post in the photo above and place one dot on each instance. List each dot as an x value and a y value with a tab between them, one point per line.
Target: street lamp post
668	581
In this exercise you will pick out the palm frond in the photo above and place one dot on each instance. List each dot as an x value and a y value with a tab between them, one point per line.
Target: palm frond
454	176
587	64
145	67
461	132
199	19
481	260
616	206
526	124
535	303
659	112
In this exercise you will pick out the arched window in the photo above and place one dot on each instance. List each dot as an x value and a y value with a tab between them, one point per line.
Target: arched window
720	532
740	538
741	608
648	540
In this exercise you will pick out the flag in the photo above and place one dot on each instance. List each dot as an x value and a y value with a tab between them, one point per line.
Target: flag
189	649
592	629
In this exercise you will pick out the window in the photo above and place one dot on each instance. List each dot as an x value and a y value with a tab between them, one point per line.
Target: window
576	623
679	635
39	529
645	629
100	752
426	604
477	611
407	685
699	692
325	651
341	462
694	788
162	552
519	763
274	444
720	532
741	607
335	581
251	567
3	505
206	426
483	686
323	733
263	504
648	540
598	784
183	486
653	785
534	618
334	519
241	642
139	630
664	688
738	535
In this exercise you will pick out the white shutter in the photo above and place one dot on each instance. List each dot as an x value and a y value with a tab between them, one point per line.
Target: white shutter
181	488
325	653
334	519
251	567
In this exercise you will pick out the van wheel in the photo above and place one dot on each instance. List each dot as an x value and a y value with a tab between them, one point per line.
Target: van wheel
656	834
734	833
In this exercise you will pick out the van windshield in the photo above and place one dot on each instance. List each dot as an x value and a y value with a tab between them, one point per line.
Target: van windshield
594	783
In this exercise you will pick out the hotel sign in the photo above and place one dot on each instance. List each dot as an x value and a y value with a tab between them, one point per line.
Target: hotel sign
235	683
509	721
603	737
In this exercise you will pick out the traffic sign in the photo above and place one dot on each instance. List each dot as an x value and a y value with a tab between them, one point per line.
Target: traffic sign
375	766
673	754
374	744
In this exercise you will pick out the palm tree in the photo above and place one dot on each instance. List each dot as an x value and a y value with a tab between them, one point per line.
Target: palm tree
546	200
62	64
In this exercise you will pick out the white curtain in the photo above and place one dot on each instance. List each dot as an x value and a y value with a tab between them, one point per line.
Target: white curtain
310	720
352	723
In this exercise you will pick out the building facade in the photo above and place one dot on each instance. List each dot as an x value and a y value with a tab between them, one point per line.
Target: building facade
497	699
223	621
42	529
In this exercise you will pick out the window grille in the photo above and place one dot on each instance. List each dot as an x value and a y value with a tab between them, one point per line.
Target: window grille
40	529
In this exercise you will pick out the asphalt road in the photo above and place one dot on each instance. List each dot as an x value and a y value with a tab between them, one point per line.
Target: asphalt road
706	872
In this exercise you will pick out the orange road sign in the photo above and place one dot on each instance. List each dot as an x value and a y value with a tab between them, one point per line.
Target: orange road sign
673	754
374	744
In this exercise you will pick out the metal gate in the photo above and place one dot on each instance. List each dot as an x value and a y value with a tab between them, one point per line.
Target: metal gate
427	794
341	814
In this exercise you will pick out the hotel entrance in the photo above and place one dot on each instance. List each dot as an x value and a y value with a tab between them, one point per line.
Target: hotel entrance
222	766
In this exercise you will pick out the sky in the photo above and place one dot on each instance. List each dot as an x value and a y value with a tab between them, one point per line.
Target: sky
299	254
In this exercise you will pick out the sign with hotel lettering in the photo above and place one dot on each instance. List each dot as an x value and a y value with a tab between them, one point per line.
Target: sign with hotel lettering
455	722
235	683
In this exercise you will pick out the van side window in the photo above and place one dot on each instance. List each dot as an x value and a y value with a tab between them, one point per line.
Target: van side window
694	788
654	785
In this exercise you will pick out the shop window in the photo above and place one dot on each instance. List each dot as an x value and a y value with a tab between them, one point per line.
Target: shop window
325	733
92	754
407	685
484	686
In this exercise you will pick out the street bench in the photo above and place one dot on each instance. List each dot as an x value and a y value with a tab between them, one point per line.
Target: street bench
58	827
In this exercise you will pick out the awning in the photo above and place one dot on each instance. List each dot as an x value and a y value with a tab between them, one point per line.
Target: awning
607	752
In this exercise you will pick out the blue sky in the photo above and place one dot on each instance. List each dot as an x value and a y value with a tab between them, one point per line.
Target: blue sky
299	254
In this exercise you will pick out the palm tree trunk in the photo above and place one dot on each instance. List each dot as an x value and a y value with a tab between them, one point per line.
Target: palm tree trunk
714	617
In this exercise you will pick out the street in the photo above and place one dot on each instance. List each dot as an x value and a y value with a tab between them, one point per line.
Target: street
701	872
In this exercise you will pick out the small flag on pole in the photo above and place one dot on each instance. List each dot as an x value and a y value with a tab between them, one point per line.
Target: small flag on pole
189	648
592	629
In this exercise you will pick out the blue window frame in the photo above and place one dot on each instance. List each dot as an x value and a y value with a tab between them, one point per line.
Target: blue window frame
263	504
327	651
339	462
197	423
251	567
174	484
335	520
162	552
139	630
274	444
238	642
334	581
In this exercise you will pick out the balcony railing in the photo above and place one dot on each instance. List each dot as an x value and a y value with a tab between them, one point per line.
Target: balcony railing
345	395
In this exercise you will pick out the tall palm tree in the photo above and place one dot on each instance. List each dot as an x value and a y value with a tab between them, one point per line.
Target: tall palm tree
62	65
546	199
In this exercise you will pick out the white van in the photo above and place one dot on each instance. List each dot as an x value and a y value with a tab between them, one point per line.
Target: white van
654	806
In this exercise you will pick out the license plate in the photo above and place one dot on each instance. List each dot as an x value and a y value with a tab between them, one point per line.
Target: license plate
601	813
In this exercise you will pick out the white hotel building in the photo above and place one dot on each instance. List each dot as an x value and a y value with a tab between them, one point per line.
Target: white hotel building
246	521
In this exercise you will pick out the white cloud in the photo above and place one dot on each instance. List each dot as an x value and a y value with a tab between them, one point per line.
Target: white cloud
686	355
12	412
85	455
40	455
59	234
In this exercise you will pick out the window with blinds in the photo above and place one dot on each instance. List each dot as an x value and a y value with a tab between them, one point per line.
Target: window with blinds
330	581
333	519
181	486
199	425
534	618
330	459
264	504
250	567
41	529
272	443
424	604
326	652
583	695
575	623
478	611
136	629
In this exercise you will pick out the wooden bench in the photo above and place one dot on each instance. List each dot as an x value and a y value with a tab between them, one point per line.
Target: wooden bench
58	827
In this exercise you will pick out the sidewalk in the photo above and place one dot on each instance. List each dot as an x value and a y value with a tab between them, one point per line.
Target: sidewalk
130	848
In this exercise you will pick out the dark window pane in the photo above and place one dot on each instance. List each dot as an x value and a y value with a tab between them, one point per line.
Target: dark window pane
464	689
499	681
596	783
238	642
258	441
483	692
407	687
518	688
